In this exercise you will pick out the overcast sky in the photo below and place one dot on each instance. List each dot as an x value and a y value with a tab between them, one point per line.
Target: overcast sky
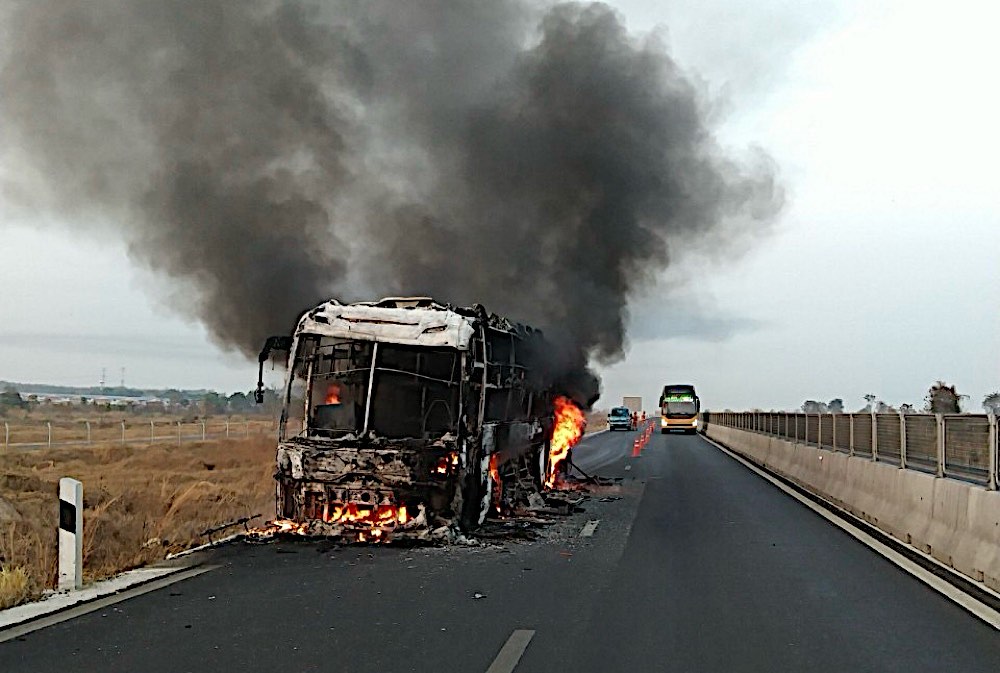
881	275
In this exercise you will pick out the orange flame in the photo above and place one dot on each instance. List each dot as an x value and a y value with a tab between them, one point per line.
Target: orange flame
287	526
494	470
447	463
566	432
332	394
497	484
376	518
366	523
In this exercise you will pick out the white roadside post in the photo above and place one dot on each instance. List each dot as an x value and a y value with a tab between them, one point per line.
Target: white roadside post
70	534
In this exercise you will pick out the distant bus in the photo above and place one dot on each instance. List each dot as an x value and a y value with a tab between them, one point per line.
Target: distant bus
679	407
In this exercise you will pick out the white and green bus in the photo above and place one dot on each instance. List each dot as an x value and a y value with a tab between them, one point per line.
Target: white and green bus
679	407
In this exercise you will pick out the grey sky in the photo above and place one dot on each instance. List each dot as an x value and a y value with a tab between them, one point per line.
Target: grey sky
880	276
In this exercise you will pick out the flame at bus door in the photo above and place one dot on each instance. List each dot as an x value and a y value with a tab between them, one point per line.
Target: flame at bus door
332	394
494	470
497	484
566	432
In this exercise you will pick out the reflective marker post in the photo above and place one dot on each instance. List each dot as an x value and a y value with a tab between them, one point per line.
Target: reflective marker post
70	534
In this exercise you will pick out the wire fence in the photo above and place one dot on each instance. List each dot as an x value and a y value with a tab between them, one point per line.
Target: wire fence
961	446
28	435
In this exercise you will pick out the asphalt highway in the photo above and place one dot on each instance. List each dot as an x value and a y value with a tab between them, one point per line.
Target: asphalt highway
694	564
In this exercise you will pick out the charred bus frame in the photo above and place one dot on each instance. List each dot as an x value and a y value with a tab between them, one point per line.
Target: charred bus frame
410	415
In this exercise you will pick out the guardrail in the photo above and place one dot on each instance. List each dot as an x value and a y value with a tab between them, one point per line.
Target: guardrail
961	446
49	434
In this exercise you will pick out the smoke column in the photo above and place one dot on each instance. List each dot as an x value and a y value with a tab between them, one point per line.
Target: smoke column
265	155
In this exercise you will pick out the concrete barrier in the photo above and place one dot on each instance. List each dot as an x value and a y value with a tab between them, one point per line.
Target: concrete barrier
958	523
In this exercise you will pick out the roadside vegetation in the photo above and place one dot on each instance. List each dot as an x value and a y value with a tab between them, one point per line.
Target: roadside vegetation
141	503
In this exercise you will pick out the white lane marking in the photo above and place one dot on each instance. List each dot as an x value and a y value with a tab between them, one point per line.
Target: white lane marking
589	528
511	652
945	588
628	467
92	606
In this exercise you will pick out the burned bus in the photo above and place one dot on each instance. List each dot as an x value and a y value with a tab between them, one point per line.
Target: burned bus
406	415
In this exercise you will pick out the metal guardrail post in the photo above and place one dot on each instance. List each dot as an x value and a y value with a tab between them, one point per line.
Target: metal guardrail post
123	433
940	444
833	430
151	432
203	431
902	441
796	439
994	458
874	438
850	447
48	427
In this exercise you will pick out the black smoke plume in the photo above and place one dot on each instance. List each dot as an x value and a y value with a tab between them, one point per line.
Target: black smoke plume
267	154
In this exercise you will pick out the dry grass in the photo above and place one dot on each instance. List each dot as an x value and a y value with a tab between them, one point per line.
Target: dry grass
140	502
597	419
15	586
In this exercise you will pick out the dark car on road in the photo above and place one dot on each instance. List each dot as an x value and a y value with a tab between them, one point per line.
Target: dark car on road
620	418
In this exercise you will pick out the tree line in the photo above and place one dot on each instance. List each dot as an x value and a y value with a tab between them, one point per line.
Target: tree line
941	398
205	403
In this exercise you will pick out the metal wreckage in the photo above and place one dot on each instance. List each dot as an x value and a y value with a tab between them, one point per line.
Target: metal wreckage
406	418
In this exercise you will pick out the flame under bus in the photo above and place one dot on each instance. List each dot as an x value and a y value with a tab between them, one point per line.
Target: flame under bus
679	407
404	415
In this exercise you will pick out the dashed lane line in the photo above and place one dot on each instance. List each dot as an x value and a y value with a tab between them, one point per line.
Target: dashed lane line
511	652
